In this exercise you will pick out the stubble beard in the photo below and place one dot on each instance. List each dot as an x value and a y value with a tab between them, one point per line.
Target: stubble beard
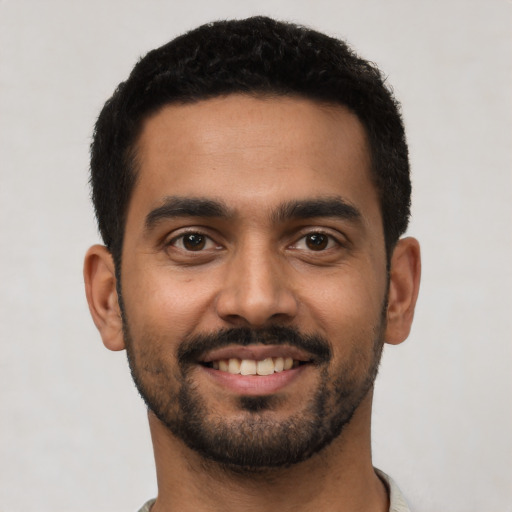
254	440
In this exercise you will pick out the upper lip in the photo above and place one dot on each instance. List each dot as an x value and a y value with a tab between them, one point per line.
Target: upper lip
256	352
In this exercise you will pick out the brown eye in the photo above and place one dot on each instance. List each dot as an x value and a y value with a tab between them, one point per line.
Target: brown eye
193	241
192	247
317	241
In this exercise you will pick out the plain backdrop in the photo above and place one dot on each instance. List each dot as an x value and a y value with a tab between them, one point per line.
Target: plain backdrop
73	431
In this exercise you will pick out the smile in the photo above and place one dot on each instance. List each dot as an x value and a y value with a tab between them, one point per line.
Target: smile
255	369
266	366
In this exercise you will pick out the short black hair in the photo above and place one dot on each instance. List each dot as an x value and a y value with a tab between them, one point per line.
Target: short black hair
257	55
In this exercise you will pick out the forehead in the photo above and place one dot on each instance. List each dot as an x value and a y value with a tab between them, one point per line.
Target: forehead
252	153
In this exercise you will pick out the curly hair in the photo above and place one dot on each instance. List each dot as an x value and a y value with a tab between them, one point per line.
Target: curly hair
257	55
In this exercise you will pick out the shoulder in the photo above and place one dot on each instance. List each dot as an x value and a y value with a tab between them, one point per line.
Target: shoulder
147	506
397	501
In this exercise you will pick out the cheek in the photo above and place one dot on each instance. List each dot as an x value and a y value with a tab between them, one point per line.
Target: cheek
167	302
345	302
348	312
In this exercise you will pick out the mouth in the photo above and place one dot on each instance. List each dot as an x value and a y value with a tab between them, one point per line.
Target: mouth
263	367
255	359
255	369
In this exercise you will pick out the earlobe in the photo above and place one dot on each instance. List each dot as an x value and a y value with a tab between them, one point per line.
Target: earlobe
100	289
405	271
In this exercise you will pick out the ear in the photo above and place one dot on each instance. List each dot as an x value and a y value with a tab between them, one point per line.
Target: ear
404	286
100	289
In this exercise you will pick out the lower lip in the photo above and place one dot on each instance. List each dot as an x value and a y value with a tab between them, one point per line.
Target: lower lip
255	385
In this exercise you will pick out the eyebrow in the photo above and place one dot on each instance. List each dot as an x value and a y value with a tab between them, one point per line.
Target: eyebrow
331	207
175	206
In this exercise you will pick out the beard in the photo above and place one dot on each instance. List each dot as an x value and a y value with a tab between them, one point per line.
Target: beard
254	438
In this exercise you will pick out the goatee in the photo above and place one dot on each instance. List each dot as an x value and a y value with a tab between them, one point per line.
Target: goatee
253	438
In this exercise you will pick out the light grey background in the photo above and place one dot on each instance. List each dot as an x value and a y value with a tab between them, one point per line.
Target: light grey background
73	433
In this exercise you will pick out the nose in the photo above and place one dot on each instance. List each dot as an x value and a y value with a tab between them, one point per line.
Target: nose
257	290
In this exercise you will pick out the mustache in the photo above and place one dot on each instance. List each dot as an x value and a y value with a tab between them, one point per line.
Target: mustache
193	348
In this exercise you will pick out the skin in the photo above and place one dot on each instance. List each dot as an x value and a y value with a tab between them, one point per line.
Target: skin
254	155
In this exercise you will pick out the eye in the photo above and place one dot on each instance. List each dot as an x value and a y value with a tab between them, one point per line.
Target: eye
316	242
193	242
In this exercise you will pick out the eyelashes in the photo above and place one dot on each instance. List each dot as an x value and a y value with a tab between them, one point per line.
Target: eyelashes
193	241
196	241
316	241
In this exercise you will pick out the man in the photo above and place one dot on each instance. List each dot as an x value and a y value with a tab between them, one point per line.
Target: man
251	184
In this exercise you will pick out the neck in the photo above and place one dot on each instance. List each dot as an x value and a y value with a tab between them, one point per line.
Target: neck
339	478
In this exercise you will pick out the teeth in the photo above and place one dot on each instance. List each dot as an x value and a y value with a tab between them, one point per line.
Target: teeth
251	367
234	366
248	367
278	364
265	367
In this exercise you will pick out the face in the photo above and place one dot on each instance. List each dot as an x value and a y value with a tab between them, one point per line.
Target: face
254	276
